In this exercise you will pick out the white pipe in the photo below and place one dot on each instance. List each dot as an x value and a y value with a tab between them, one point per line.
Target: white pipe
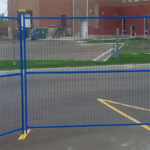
73	15
87	16
87	8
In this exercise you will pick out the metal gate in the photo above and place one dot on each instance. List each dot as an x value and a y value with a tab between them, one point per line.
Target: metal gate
72	80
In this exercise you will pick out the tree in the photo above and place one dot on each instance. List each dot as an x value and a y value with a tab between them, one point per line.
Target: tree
2	14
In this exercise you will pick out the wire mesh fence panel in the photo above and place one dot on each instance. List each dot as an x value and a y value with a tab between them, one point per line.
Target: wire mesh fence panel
10	82
73	72
72	99
87	72
61	43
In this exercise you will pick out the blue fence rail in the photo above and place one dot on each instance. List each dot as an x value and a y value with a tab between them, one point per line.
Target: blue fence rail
87	72
10	75
78	18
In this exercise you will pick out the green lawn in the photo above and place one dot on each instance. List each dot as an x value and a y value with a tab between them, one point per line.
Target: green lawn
124	58
131	41
133	52
131	57
9	65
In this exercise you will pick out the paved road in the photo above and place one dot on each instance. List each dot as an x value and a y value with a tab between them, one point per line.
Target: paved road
102	138
72	99
53	50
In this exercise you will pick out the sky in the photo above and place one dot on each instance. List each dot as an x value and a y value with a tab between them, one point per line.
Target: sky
3	6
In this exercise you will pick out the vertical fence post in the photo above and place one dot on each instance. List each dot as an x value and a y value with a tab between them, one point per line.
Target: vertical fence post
21	69
25	73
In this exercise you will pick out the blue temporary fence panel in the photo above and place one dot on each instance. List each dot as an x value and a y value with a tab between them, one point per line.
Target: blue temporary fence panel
67	97
42	94
11	93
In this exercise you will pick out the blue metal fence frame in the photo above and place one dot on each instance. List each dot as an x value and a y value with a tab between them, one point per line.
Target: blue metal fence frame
84	72
9	18
93	71
23	73
89	125
10	75
98	17
17	74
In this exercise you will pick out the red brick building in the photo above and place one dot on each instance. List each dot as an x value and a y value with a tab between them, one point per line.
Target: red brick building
52	8
141	26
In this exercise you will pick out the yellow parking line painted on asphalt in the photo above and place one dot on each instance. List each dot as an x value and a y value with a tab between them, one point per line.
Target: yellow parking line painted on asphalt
130	106
123	114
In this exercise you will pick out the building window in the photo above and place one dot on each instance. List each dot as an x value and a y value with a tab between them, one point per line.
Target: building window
123	1
145	25
123	26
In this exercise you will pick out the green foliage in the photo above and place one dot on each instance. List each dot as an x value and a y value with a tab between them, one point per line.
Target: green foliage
126	57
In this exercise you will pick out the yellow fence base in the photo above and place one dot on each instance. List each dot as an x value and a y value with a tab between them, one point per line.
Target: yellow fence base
24	136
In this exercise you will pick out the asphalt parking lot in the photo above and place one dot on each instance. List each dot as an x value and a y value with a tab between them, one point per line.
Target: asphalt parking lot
49	103
53	50
104	138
